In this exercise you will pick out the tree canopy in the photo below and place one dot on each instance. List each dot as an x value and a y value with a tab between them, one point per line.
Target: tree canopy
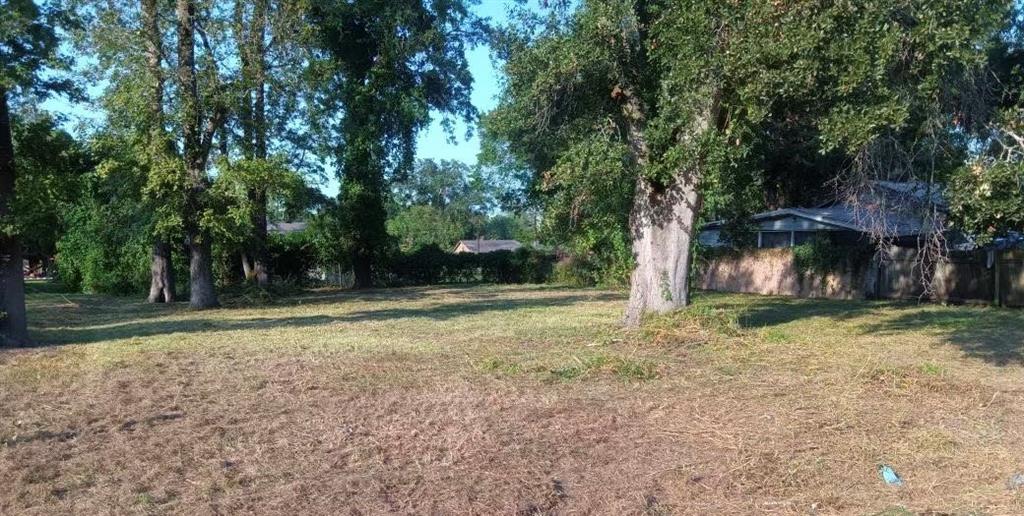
672	104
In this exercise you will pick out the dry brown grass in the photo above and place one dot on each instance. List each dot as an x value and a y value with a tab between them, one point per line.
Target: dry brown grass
510	400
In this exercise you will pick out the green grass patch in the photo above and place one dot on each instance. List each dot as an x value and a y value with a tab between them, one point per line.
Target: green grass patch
776	336
500	365
627	369
931	369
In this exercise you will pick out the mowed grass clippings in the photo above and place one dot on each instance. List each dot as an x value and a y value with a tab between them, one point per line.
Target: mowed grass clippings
510	400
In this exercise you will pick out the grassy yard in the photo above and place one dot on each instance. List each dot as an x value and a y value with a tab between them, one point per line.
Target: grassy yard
511	400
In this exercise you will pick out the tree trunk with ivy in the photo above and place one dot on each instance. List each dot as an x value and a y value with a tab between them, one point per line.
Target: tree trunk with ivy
13	318
663	227
662	220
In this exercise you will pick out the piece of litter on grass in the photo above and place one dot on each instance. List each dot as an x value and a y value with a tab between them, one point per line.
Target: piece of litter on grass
889	475
1015	482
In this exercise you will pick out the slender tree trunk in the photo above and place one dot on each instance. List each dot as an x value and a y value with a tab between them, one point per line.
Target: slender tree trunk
247	274
196	146
161	284
252	49
13	318
260	257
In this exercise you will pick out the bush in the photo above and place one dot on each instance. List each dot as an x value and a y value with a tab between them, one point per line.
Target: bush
430	265
95	255
292	255
823	255
605	270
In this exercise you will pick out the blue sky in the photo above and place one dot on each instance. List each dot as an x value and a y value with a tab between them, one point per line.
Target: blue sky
432	143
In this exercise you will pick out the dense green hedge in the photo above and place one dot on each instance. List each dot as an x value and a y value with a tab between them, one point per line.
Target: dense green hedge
430	265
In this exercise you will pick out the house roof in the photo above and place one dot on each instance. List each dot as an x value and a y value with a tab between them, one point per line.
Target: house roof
841	216
488	246
285	227
871	213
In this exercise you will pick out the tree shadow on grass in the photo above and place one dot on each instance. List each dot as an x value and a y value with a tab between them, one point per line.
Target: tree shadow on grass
464	290
755	311
995	335
108	322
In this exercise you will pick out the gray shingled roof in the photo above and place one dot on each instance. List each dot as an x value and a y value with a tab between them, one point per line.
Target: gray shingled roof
845	216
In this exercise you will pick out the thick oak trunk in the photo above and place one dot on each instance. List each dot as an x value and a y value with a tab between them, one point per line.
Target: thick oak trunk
663	227
362	270
13	318
662	221
161	284
161	273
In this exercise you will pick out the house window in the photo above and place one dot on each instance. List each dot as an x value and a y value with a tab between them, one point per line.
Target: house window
773	239
802	237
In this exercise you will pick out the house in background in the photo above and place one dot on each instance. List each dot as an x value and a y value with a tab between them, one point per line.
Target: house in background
965	274
844	222
480	246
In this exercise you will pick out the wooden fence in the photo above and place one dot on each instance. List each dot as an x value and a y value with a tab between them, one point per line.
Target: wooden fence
966	277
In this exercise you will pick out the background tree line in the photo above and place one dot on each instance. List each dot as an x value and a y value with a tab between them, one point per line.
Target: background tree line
622	124
217	117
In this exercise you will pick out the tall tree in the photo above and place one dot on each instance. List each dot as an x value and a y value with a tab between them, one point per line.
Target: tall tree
389	64
250	36
198	124
672	95
161	286
271	43
28	46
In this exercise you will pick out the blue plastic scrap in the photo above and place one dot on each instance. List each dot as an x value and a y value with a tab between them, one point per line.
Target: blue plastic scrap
889	475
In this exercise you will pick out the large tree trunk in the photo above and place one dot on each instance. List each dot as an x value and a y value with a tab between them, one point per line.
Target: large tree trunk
362	269
161	284
663	218
662	224
195	149
13	318
202	294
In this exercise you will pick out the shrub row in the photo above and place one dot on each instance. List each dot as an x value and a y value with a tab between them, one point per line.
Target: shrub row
430	265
